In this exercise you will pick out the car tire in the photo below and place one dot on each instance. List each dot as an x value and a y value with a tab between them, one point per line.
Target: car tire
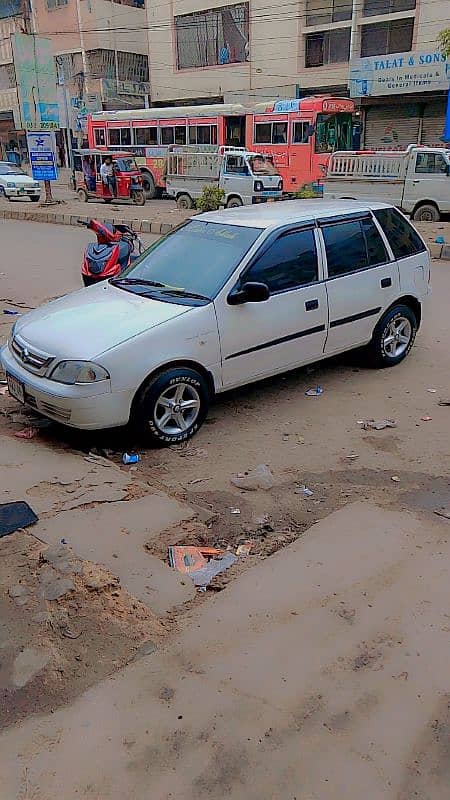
168	390
184	202
426	213
148	184
234	202
393	336
82	195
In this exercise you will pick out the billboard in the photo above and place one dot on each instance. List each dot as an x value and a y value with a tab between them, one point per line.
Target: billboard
399	73
36	82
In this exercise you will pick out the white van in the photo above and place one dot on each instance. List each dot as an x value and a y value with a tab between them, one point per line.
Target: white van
228	298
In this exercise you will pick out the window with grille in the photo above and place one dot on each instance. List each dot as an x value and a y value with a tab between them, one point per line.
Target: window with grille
373	7
322	12
119	137
52	4
146	136
212	37
132	67
329	47
7	77
387	37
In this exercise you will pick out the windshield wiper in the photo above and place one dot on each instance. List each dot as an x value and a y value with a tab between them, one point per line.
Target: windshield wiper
137	282
185	293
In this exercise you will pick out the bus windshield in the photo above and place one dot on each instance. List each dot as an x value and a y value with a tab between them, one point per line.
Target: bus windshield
333	132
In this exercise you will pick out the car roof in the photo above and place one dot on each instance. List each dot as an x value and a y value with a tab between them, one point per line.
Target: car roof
273	215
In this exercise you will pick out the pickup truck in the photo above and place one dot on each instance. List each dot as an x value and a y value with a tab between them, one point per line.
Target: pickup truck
416	180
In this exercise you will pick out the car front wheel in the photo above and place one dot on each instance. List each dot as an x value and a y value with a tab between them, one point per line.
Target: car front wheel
172	406
393	336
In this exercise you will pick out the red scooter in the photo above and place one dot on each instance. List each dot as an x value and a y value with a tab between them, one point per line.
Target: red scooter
114	251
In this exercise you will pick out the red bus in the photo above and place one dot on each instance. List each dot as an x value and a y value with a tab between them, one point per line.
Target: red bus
299	134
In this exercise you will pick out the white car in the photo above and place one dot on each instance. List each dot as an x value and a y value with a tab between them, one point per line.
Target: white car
14	182
228	298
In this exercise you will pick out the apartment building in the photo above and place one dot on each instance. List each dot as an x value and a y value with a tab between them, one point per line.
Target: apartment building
101	57
249	50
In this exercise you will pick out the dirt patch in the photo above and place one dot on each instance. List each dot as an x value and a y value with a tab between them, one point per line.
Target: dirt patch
51	651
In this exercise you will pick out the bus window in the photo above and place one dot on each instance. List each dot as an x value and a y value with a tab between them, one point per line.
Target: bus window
270	133
146	136
119	137
300	132
203	134
333	132
175	134
99	137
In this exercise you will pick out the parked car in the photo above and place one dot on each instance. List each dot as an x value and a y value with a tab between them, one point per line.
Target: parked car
228	298
14	182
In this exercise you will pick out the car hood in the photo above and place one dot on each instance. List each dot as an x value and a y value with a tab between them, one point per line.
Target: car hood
20	180
84	324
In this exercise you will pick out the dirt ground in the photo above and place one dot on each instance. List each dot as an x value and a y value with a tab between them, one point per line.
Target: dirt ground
305	441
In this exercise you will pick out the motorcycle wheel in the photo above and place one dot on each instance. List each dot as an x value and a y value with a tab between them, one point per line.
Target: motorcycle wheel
139	198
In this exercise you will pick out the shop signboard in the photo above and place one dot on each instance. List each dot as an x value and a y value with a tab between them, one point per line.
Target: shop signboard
399	73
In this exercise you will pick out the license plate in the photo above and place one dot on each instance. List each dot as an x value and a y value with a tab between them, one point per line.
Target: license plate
269	193
16	388
21	191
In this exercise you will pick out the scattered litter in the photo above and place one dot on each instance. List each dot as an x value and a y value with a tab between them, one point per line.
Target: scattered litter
432	391
235	510
193	561
377	424
444	403
198	480
130	458
395	478
352	456
26	433
11	313
304	491
70	634
14	516
244	549
442	512
314	392
63	541
258	478
439	240
426	419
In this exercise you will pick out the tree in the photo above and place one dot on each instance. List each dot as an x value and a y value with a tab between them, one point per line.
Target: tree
444	41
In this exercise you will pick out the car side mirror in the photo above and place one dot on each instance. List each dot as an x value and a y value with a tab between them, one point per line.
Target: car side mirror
250	292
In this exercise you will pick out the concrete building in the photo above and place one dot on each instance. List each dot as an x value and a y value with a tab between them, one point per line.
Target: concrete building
101	56
246	51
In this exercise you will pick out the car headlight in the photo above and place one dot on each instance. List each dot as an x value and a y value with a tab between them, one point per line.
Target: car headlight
78	372
280	185
10	185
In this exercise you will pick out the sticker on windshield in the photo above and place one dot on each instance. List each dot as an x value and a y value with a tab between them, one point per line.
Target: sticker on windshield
213	230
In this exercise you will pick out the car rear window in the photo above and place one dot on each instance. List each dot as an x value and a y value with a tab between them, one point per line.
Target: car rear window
404	240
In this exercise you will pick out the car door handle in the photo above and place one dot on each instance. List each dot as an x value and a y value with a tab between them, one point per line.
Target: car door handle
385	282
311	305
416	181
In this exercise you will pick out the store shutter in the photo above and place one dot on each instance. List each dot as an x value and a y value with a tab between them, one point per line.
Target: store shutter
391	127
434	121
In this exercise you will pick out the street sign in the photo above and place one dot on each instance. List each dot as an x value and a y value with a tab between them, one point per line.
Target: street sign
42	150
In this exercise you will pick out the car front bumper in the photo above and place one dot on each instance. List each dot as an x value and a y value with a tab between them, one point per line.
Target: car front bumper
22	192
87	407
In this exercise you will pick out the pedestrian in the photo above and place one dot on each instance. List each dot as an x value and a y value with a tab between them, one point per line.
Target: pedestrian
107	175
224	55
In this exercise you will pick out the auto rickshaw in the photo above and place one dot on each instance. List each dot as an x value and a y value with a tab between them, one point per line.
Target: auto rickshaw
88	184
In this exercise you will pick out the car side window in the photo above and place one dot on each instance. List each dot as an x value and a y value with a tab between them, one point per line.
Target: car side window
376	251
430	163
402	237
345	247
290	262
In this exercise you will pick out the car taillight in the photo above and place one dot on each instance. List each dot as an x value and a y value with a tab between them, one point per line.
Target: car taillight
258	186
280	185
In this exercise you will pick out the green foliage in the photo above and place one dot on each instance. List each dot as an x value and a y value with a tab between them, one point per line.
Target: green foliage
306	192
211	199
444	41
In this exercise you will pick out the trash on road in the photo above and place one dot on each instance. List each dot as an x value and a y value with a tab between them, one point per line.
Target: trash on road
444	403
352	456
442	512
303	490
130	458
377	424
235	511
439	240
11	313
258	478
14	516
432	391
426	418
193	561
26	433
316	392
244	549
395	478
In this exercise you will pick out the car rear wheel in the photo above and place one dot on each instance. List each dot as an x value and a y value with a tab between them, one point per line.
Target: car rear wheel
393	337
427	213
234	202
172	406
184	202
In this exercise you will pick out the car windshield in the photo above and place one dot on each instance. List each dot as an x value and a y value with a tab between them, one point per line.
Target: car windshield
11	169
125	165
198	258
262	166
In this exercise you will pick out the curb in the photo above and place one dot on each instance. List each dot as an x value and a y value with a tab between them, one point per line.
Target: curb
53	217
